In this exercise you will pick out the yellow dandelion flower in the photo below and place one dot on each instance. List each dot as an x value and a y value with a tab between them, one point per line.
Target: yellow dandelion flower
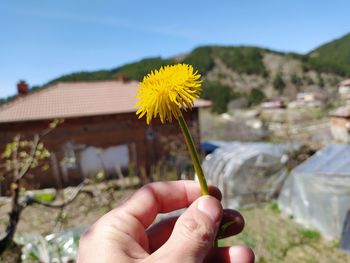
167	91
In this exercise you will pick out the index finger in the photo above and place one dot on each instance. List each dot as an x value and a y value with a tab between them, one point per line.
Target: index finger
163	197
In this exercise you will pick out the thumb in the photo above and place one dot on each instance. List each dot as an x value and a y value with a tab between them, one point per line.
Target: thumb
194	232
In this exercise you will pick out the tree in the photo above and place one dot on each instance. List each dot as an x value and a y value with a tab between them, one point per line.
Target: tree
256	96
320	81
19	157
219	94
296	80
201	59
278	83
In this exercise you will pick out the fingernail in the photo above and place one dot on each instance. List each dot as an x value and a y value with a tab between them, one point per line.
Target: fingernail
210	207
240	254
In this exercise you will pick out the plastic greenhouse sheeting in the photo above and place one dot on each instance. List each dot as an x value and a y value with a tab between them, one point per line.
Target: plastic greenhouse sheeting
57	247
247	173
317	192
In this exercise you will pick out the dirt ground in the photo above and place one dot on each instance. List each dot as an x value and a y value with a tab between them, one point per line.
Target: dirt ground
272	237
82	212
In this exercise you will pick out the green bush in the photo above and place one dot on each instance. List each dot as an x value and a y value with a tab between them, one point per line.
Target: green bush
320	81
310	234
219	94
309	80
256	96
274	207
296	80
278	83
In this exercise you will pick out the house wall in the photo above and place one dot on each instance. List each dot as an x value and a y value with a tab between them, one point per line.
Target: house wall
340	128
149	145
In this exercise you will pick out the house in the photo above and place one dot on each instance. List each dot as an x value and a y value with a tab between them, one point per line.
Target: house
307	99
101	131
340	123
306	96
344	89
273	104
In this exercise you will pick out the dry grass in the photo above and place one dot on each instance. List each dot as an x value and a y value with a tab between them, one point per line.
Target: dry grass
278	239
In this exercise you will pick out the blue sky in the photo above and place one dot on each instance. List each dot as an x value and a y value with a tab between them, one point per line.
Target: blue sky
41	40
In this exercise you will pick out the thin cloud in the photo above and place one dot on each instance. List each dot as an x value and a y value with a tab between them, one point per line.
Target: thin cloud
114	22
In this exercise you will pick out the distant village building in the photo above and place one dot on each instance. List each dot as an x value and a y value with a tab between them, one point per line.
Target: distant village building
272	104
100	131
344	89
340	123
307	99
306	96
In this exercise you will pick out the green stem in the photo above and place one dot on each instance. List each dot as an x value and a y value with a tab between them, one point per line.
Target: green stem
194	155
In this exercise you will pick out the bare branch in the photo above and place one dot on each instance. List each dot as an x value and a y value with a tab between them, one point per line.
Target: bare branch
70	199
30	160
36	140
15	155
17	208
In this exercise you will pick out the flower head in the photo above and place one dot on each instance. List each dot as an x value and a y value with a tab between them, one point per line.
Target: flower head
166	91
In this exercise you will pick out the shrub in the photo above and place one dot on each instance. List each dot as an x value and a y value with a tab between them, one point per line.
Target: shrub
309	80
274	207
219	94
278	83
320	80
256	96
310	234
296	80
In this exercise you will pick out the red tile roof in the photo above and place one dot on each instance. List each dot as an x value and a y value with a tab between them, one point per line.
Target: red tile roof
75	99
345	82
342	112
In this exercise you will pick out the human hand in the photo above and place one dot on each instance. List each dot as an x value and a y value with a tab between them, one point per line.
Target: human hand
125	234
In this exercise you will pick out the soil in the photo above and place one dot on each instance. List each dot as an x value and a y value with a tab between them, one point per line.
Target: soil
83	211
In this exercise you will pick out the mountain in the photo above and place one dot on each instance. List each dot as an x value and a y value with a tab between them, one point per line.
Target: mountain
246	75
333	56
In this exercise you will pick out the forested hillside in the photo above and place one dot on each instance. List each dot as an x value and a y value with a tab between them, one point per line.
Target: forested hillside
243	73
